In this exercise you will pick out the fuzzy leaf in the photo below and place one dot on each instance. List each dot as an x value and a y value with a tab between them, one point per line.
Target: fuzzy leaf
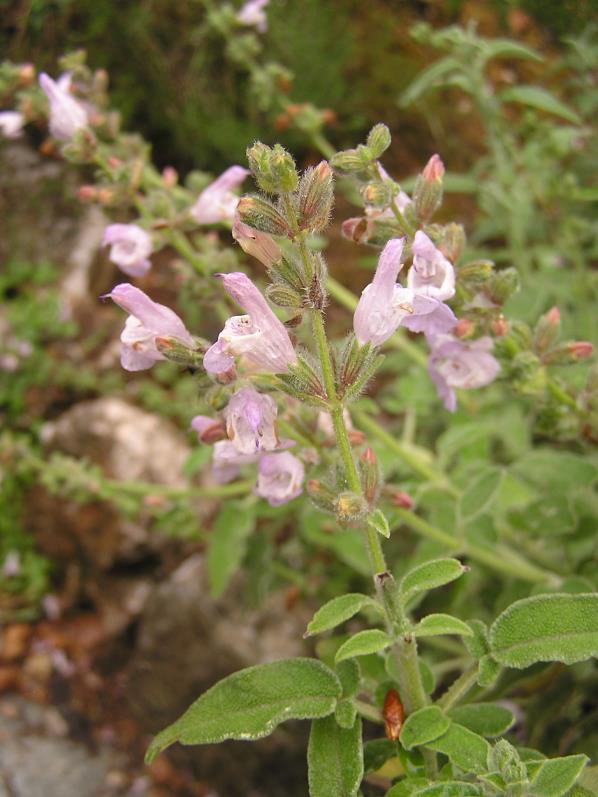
540	99
345	713
337	610
506	48
546	628
486	719
429	576
437	624
349	675
423	726
480	494
365	642
463	747
249	704
335	759
228	544
556	775
377	520
488	672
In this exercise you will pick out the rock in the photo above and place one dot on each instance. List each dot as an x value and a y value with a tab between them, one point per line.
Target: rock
186	642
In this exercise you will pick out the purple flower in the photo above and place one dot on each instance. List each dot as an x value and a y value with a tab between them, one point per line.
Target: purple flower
131	247
461	364
11	124
431	273
252	14
146	322
227	460
257	244
280	478
258	337
209	430
251	421
427	315
217	202
66	114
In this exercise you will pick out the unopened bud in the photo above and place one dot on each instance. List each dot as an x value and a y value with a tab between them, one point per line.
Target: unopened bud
329	116
476	271
581	349
570	352
464	328
378	194
87	193
503	285
402	500
356	437
105	196
170	176
114	162
500	326
315	198
321	494
350	507
434	170
26	74
100	79
370	475
378	140
262	215
273	168
177	352
351	161
452	241
547	330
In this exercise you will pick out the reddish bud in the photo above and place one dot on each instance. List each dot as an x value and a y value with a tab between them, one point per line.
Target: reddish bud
329	116
394	714
402	500
87	193
369	456
105	196
154	500
170	176
500	326
434	170
114	162
465	328
26	74
580	349
356	437
553	316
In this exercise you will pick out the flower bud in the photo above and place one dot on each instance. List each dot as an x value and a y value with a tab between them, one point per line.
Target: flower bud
452	241
370	475
87	193
503	285
464	329
26	74
427	194
170	176
580	349
175	351
476	271
350	507
377	194
262	215
322	496
570	352
401	499
315	198
351	161
547	330
434	170
500	326
378	140
273	168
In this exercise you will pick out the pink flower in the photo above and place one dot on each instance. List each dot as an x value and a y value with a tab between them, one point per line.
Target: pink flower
431	273
385	305
11	124
251	421
146	322
461	364
209	430
252	14
280	478
217	202
257	244
434	170
227	460
66	114
258	337
131	247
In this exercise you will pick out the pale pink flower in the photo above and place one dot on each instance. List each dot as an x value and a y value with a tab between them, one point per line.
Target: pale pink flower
461	364
434	170
66	114
431	273
11	566
209	430
130	249
227	460
280	478
257	244
252	13
259	338
251	421
147	321
217	202
11	124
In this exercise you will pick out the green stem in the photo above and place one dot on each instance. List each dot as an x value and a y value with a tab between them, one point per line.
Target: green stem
184	248
458	689
408	228
368	712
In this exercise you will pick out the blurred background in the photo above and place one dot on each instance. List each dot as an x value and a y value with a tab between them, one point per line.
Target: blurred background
111	622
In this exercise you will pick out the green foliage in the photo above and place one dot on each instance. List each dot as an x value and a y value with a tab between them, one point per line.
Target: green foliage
250	703
485	719
555	776
362	644
429	575
228	545
337	611
423	726
464	748
438	624
334	758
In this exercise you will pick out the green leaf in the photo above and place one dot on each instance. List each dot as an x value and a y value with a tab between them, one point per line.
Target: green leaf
430	78
378	521
429	576
477	644
335	759
345	713
480	494
556	775
337	611
488	672
376	753
371	641
228	544
437	624
506	48
249	704
540	99
423	726
449	788
463	747
350	677
486	719
556	472
546	628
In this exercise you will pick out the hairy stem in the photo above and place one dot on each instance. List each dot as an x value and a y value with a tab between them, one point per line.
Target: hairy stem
458	689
